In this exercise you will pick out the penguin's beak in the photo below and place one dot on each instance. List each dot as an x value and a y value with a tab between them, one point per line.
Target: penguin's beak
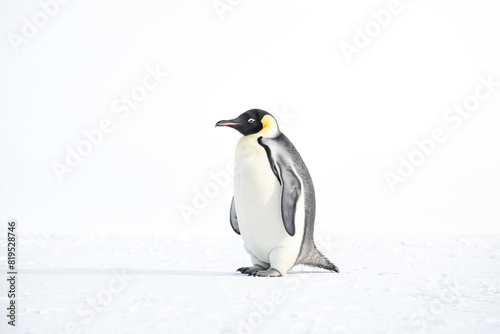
230	123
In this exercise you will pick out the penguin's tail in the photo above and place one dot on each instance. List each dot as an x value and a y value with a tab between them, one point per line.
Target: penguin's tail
317	259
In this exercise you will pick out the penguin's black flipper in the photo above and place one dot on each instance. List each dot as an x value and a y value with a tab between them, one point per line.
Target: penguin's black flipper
290	194
290	183
233	218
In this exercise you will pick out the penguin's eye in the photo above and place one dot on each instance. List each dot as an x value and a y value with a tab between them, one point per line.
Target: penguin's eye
251	120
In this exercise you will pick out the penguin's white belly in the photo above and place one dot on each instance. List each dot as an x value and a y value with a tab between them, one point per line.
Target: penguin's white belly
257	197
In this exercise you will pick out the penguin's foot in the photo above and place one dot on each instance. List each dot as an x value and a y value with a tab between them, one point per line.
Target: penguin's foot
250	270
266	273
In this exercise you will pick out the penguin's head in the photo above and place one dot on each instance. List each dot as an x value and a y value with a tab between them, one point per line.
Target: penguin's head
251	122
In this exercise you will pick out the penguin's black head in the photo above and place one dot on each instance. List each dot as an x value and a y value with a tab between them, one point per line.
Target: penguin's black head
248	123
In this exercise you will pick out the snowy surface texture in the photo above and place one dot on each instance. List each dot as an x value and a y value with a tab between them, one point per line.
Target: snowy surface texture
188	284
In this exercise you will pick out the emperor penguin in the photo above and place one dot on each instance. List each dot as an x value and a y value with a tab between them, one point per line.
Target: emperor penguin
274	205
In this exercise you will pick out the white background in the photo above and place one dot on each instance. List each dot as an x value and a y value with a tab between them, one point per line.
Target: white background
350	121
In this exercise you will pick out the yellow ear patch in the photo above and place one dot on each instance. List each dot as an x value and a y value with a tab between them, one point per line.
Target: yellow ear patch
266	122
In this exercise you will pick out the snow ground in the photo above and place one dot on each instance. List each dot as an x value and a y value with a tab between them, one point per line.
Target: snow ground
188	284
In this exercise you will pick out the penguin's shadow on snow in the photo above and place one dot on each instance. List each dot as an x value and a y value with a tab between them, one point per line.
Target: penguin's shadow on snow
149	272
122	271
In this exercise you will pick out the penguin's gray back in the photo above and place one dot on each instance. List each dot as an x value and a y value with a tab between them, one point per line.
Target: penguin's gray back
309	254
309	196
